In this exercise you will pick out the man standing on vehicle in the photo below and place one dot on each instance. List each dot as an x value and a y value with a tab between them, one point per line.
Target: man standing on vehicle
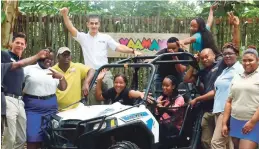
95	47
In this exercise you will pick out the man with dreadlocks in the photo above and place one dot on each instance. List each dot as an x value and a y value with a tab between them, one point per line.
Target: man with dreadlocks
202	37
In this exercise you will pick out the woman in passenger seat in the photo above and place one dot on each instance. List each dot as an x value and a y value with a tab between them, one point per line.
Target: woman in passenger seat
119	92
171	99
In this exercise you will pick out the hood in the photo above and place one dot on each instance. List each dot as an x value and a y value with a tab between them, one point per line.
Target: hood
88	112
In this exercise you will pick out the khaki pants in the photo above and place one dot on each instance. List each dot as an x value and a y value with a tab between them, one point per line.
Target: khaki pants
15	132
207	126
106	84
218	141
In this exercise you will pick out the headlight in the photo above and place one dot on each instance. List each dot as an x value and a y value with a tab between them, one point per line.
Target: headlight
55	123
110	123
98	124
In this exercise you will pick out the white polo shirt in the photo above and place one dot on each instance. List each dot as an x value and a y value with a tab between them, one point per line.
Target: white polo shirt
95	48
38	82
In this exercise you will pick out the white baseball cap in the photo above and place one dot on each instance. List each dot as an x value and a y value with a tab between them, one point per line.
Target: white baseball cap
61	50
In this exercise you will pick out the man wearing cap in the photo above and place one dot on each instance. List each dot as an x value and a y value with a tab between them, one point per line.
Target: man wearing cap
95	46
74	74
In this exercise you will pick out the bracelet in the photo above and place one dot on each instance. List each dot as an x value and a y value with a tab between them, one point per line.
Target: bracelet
61	78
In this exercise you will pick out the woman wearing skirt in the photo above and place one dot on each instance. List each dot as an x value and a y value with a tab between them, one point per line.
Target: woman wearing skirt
39	97
242	107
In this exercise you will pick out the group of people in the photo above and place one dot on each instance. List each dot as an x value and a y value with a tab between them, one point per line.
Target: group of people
229	89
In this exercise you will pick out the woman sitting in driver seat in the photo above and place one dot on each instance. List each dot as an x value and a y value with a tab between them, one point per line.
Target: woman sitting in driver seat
117	93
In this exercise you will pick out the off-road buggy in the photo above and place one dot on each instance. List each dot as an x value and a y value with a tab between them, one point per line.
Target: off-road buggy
119	126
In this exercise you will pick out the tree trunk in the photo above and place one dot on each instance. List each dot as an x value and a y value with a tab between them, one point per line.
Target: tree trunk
10	7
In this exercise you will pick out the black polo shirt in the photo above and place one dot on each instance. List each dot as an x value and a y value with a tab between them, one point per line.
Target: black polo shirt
110	94
13	79
4	68
169	69
208	77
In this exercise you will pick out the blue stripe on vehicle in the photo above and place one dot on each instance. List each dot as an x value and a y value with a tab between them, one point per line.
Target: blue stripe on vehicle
150	123
134	116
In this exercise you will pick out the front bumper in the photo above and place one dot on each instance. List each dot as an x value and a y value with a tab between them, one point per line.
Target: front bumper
73	134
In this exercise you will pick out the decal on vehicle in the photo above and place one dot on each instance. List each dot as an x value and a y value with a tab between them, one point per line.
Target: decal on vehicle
134	116
150	123
108	110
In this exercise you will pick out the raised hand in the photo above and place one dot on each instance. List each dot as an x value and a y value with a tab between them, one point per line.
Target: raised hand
64	11
43	54
233	20
214	6
102	74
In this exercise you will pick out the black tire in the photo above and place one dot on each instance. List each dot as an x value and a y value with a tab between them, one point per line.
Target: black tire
124	145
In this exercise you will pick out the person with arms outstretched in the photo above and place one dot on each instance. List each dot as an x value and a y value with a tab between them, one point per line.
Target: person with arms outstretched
95	47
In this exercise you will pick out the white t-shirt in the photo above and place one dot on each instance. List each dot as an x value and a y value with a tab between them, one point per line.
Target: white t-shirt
95	49
38	82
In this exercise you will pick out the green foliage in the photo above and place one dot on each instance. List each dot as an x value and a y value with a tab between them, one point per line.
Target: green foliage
3	16
241	9
52	7
115	8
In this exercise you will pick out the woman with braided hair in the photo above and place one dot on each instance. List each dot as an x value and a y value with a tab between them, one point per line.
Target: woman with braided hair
202	37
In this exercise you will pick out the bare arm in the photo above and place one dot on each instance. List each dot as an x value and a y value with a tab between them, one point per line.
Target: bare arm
64	12
210	18
209	96
189	76
255	117
90	75
226	116
186	41
227	112
98	92
87	81
62	84
136	94
234	21
62	81
179	67
30	60
125	49
236	36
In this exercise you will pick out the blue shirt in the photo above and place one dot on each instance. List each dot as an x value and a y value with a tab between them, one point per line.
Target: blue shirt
13	79
197	45
208	77
222	86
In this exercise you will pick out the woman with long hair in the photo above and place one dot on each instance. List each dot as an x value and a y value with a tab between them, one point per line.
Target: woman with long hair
202	37
170	98
118	93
